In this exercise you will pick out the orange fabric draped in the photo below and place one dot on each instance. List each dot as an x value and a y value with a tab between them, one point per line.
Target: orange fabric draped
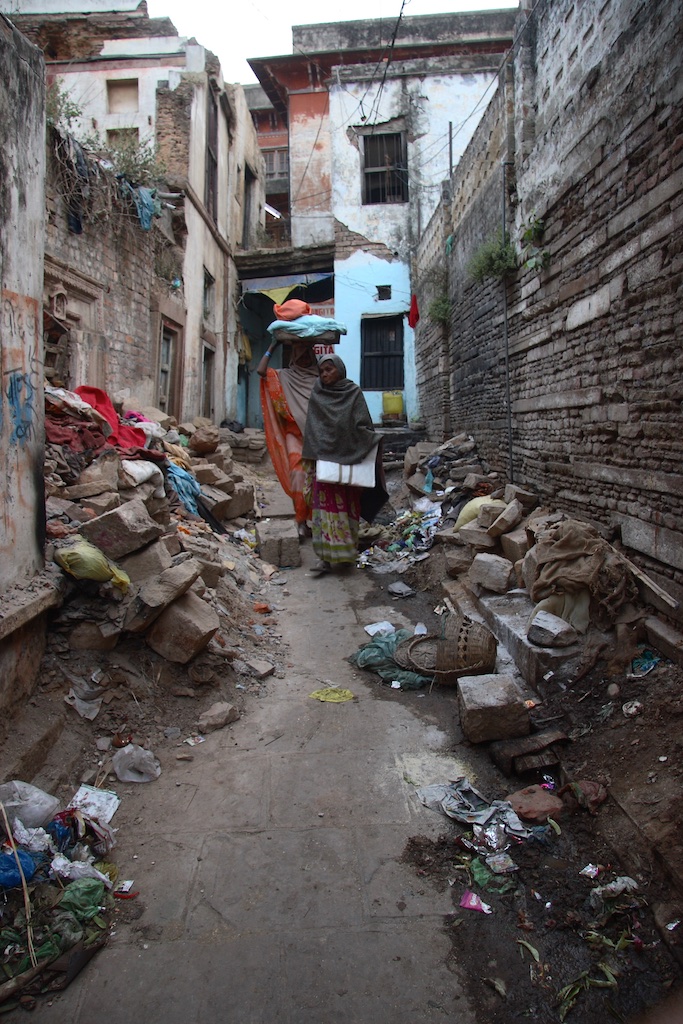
285	442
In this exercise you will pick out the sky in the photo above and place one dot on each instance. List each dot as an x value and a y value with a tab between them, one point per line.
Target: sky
263	28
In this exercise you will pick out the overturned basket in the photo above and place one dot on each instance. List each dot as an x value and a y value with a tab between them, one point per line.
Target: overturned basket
467	648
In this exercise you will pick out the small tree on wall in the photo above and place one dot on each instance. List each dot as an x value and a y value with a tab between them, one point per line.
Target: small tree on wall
495	258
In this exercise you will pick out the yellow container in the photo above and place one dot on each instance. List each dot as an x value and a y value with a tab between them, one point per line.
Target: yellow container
392	403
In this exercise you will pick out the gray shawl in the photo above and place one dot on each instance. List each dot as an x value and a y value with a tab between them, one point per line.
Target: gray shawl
338	426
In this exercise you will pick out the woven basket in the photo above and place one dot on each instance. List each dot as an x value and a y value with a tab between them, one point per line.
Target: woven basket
467	648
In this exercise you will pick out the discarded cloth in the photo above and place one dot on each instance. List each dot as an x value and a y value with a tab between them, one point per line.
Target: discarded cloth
122	436
185	485
308	326
332	695
378	656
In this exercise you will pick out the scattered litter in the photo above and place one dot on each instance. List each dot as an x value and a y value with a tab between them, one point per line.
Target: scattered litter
532	949
470	901
673	924
643	663
632	708
591	871
124	886
499	985
28	803
332	695
620	886
400	589
420	629
663	758
501	863
461	801
395	685
135	764
192	741
379	627
100	804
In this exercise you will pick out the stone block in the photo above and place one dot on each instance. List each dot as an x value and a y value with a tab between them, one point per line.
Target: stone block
530	567
123	530
515	544
476	538
187	429
491	708
172	542
278	542
90	636
101	503
217	717
211	475
507	520
217	501
101	475
665	638
258	668
156	594
183	629
472	480
488	514
527	499
55	507
458	560
492	572
548	630
241	502
211	572
148	561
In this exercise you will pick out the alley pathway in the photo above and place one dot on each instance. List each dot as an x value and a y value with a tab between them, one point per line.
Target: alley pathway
269	866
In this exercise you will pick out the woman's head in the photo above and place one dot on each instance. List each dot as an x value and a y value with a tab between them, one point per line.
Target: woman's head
302	355
331	369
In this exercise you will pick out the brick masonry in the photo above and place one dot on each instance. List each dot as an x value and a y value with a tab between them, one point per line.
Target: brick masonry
590	116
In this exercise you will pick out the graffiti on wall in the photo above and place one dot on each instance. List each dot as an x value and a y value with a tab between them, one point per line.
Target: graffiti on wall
20	368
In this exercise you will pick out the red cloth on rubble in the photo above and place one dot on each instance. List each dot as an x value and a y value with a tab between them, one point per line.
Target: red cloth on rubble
121	436
78	434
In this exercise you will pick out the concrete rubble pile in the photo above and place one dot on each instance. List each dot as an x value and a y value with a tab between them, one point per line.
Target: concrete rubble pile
442	471
148	567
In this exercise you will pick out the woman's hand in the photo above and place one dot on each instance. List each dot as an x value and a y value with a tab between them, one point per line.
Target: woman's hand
262	368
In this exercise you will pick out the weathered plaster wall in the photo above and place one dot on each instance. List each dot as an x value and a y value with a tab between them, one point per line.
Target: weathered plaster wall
309	168
356	279
595	340
22	210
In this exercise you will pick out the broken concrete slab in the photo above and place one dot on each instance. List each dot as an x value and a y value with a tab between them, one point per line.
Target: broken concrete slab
665	638
493	572
158	593
278	542
507	520
488	514
151	560
548	630
211	571
491	708
506	752
217	717
183	629
123	530
217	501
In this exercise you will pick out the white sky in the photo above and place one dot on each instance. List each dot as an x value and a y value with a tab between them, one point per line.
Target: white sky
263	28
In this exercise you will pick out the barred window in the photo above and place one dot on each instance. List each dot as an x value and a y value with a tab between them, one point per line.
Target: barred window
385	171
381	353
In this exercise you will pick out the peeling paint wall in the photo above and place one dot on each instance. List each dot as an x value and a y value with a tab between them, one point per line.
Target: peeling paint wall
309	168
22	209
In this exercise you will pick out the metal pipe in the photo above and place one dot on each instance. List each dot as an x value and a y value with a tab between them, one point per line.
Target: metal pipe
511	472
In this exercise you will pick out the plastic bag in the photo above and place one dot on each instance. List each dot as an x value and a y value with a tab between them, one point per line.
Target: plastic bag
28	803
133	763
86	562
470	511
9	872
83	898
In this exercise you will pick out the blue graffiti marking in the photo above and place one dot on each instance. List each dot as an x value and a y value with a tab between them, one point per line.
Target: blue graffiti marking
20	395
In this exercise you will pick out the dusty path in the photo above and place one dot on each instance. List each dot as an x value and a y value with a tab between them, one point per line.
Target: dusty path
268	867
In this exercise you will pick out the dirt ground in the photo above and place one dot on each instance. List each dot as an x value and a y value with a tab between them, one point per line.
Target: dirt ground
544	935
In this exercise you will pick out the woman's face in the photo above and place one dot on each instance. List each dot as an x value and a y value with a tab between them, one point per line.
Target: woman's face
329	374
302	355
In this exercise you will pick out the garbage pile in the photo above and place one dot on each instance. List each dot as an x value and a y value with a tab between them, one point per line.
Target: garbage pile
449	472
58	887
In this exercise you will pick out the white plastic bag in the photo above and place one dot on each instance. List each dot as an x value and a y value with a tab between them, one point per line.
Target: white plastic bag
28	803
133	763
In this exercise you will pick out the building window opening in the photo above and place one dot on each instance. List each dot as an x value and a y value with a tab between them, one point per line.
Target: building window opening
383	292
381	353
122	96
211	171
277	163
209	300
208	364
123	138
385	172
168	350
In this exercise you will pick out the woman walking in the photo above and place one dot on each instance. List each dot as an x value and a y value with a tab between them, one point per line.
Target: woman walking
339	431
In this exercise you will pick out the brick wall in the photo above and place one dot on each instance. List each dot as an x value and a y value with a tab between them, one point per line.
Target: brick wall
108	274
348	242
594	341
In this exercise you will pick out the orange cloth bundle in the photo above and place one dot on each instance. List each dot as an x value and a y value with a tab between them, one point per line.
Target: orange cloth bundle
292	309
